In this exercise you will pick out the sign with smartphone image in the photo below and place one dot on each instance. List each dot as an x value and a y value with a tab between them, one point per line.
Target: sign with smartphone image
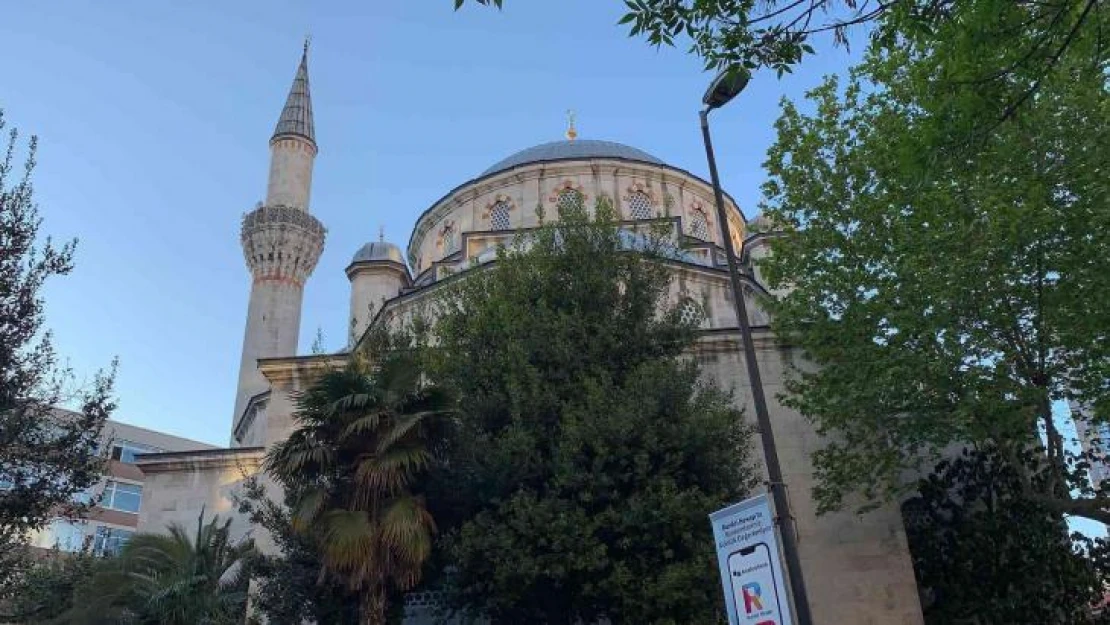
751	568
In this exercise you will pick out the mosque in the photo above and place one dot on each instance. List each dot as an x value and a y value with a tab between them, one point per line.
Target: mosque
857	568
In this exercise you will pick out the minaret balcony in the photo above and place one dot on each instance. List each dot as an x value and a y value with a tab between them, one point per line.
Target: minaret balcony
281	243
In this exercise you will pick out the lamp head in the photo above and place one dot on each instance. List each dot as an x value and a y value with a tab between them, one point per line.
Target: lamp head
726	86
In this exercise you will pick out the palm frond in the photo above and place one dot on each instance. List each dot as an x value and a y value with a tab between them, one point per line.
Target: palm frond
363	425
308	508
393	470
296	456
178	578
406	530
349	538
406	424
354	402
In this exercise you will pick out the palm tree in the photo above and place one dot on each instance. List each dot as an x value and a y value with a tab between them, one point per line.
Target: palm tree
364	440
169	579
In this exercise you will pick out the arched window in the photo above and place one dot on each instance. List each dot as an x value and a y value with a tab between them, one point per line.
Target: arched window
690	313
640	206
499	216
699	224
737	236
448	238
569	199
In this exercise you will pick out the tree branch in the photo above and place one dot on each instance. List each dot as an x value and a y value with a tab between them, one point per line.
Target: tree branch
1013	107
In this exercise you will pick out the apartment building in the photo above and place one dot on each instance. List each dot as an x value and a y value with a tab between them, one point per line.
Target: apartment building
118	496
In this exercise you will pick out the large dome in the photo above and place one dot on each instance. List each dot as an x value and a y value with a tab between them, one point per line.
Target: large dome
569	150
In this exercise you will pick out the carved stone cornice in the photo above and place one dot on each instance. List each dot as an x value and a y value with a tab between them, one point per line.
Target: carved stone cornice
249	459
281	243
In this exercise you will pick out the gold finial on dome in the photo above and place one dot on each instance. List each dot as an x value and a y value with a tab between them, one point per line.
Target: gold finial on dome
572	134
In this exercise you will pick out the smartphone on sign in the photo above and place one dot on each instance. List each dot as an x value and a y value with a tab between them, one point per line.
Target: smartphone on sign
755	589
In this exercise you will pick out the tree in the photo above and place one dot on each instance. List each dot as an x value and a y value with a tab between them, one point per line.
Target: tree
588	453
746	35
986	555
46	456
365	437
949	281
293	585
45	588
169	579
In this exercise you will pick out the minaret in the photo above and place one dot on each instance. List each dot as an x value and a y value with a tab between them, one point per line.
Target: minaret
281	242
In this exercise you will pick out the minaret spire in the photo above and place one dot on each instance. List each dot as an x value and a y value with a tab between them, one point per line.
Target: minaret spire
281	242
296	117
293	145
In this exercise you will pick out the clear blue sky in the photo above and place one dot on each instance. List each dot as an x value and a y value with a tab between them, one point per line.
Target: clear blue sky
154	119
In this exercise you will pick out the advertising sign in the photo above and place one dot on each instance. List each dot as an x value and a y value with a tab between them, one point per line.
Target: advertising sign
751	569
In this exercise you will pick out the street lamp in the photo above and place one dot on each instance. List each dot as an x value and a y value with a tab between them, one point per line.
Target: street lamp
723	89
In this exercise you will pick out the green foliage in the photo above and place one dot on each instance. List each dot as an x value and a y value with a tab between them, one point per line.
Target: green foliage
46	456
180	578
777	34
44	589
293	586
588	453
353	468
983	553
950	279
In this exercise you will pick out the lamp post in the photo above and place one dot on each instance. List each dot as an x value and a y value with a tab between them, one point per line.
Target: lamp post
723	89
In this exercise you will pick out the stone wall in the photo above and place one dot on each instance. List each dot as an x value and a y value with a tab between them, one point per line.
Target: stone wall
469	208
857	567
178	486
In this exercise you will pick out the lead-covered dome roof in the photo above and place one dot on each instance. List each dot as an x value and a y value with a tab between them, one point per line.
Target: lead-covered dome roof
379	250
569	150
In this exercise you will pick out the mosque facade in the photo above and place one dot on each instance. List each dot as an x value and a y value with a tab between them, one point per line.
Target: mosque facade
857	567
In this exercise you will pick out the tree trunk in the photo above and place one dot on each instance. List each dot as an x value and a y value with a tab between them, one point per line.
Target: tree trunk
372	610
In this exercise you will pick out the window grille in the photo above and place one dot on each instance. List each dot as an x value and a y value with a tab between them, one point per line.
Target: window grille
569	199
640	206
699	225
499	216
690	313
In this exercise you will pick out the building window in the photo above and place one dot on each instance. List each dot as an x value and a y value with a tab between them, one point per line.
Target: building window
122	496
62	535
569	199
737	238
448	238
109	541
499	216
640	206
690	313
699	224
125	451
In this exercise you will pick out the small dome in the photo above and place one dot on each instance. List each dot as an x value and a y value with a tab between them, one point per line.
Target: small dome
379	250
570	150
